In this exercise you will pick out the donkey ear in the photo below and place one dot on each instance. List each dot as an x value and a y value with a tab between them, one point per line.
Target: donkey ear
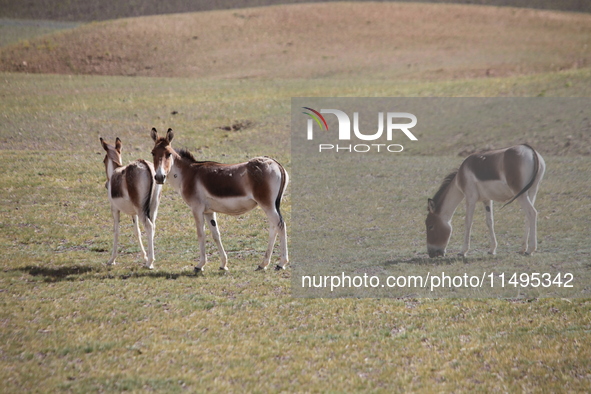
154	134
118	145
104	144
169	135
431	205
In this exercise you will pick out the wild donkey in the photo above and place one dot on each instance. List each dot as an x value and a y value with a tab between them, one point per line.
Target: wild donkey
208	187
510	174
132	190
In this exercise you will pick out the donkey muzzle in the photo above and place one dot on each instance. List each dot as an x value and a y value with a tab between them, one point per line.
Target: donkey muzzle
435	252
160	178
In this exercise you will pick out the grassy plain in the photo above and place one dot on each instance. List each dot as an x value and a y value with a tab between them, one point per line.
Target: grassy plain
74	324
70	323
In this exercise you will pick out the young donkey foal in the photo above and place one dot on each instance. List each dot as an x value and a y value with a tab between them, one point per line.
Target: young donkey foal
510	174
208	187
132	190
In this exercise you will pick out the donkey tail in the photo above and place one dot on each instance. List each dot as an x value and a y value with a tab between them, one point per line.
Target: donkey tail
150	197
533	179
282	187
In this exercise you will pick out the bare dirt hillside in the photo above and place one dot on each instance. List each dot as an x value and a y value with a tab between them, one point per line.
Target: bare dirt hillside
85	10
394	40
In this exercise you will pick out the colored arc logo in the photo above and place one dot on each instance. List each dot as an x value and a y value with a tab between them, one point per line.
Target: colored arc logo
317	117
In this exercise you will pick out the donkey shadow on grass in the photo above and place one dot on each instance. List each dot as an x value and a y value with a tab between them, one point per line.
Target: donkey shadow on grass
71	273
439	261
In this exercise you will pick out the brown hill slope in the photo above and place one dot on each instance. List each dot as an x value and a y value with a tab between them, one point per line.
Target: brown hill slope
84	10
394	40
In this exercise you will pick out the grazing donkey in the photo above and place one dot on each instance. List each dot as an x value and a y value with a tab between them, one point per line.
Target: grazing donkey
208	187
501	175
132	190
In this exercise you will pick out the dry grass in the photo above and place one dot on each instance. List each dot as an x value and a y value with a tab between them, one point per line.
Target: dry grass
392	41
70	323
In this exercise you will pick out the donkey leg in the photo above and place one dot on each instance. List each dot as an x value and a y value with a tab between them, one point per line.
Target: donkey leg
528	228
201	239
273	218
284	259
530	240
525	239
116	217
215	233
269	252
138	234
488	206
150	230
470	206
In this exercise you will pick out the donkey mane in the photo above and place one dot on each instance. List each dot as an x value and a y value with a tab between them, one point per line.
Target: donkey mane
444	186
186	155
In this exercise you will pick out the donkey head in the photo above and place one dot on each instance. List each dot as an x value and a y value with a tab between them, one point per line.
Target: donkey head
438	231
113	157
162	154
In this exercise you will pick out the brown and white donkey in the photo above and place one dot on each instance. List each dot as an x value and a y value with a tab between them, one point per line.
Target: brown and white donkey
208	188
501	175
132	190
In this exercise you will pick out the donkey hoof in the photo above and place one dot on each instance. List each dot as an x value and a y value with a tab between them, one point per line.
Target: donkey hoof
259	268
279	268
150	267
198	269
223	268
